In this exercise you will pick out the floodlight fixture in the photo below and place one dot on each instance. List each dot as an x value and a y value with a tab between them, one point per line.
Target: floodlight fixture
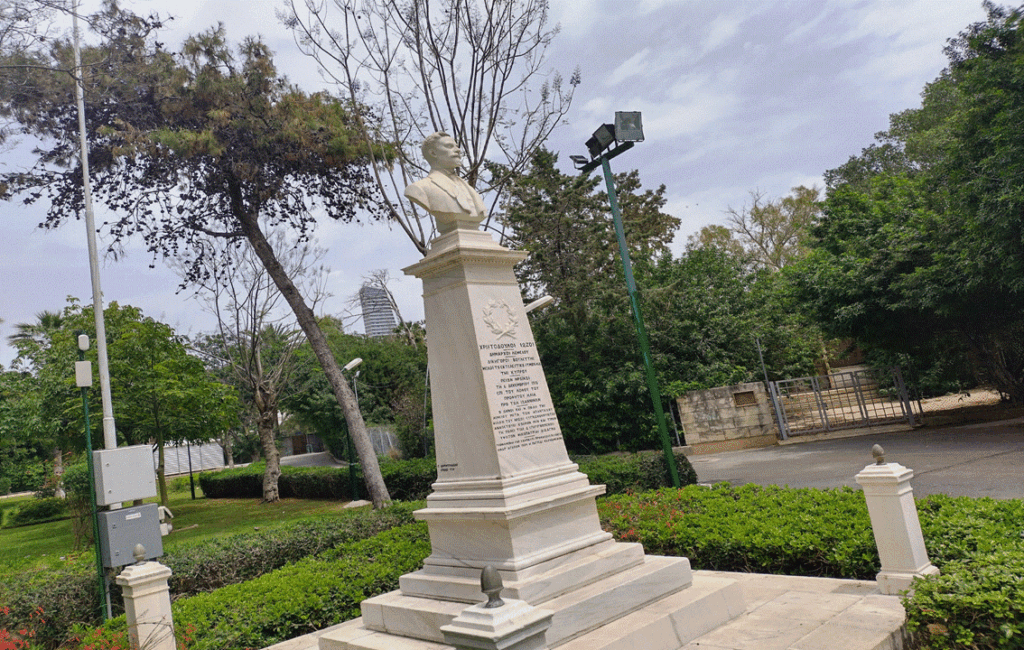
543	301
603	138
579	161
352	364
629	126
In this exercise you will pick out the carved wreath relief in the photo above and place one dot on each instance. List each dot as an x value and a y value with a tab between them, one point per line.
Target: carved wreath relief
500	318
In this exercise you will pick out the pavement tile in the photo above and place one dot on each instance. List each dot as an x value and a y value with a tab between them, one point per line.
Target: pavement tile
833	636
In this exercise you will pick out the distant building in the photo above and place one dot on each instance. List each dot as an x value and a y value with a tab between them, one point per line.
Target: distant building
378	315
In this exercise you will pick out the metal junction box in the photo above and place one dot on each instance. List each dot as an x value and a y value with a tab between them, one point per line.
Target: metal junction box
121	530
124	474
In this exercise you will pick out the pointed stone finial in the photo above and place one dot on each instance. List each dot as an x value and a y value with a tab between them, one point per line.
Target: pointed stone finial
490	584
140	553
879	454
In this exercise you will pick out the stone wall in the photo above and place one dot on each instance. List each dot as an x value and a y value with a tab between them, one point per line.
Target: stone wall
727	418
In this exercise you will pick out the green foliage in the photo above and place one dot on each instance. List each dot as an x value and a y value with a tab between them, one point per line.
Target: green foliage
629	473
38	511
391	387
977	603
303	597
236	558
751	528
5	486
921	249
26	474
411	480
69	596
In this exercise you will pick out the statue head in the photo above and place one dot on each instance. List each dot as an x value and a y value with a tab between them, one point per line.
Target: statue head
441	152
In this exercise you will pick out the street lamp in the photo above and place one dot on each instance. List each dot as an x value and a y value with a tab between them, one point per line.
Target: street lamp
625	132
352	483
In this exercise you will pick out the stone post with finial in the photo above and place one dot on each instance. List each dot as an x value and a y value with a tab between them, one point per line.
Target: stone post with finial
894	520
498	624
147	604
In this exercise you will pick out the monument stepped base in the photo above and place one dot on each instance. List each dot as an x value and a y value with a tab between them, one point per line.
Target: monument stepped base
781	613
633	609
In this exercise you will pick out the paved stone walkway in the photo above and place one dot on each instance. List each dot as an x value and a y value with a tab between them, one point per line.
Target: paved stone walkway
783	613
794	613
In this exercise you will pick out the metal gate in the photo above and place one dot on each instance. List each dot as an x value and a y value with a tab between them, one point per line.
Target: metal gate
841	400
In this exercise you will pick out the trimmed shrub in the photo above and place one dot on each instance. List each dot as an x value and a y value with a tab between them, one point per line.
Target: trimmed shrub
66	597
639	472
228	560
303	597
411	480
238	483
751	528
978	603
69	595
5	485
38	511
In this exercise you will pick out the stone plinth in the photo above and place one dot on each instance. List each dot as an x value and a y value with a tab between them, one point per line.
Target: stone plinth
513	626
147	606
507	495
896	527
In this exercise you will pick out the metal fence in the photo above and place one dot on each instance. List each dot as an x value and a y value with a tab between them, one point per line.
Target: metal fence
841	400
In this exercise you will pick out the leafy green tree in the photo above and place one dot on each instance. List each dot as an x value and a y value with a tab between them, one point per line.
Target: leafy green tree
24	442
206	144
161	394
586	340
921	251
391	384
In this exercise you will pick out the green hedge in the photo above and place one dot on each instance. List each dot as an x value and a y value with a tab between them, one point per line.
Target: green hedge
69	595
639	472
978	601
212	564
38	511
978	544
410	480
304	597
751	528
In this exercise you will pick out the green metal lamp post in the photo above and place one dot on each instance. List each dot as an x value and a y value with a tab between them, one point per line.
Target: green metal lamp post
83	379
627	130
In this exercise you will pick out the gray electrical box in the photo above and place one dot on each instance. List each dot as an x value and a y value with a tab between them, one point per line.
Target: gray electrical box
124	474
121	530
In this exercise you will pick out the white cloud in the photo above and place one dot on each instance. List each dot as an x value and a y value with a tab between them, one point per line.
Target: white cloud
635	65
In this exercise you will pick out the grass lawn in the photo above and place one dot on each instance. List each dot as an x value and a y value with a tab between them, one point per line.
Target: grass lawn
52	544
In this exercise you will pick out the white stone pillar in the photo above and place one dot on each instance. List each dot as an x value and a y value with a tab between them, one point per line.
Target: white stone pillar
513	626
894	521
147	605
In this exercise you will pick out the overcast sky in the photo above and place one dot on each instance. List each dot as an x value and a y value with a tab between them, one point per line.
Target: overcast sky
736	95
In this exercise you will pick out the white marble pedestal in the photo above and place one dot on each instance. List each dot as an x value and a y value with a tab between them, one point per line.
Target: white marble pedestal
507	494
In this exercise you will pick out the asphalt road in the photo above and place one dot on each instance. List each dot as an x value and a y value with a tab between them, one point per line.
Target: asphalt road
975	460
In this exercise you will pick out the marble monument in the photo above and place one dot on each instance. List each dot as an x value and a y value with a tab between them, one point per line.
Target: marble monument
507	495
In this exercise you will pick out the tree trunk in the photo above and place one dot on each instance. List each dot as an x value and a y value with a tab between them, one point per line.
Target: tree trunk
266	423
161	472
228	443
58	472
375	487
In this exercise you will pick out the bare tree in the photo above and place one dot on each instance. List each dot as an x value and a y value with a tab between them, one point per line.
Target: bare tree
256	335
471	68
775	232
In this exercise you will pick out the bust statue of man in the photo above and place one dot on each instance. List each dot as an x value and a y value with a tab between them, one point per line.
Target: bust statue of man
450	199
